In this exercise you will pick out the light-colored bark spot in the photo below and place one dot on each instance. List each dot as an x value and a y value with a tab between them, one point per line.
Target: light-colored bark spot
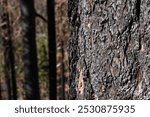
138	89
115	67
89	25
81	83
142	48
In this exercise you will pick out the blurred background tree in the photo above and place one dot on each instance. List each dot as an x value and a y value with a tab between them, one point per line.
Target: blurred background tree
62	35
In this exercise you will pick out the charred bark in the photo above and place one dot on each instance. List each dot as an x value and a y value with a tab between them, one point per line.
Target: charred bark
52	49
109	49
30	52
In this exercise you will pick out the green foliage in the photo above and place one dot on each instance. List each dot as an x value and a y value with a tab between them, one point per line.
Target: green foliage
42	50
42	55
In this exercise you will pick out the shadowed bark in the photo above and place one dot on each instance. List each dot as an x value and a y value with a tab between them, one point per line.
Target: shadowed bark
30	52
109	49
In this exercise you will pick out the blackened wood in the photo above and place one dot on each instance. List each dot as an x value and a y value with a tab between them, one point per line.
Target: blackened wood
29	46
52	49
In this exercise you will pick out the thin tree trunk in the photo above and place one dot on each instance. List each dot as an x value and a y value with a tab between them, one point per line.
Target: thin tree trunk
62	72
30	52
9	69
0	90
52	49
109	49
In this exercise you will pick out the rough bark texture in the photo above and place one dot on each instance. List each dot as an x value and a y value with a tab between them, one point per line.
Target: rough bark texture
30	53
109	49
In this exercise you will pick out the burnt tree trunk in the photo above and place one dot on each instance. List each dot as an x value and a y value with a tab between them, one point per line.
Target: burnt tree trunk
6	34
0	90
30	52
109	49
52	49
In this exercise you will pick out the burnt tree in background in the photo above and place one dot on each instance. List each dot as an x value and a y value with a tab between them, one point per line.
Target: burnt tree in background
6	34
62	72
52	49
109	49
30	52
0	90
